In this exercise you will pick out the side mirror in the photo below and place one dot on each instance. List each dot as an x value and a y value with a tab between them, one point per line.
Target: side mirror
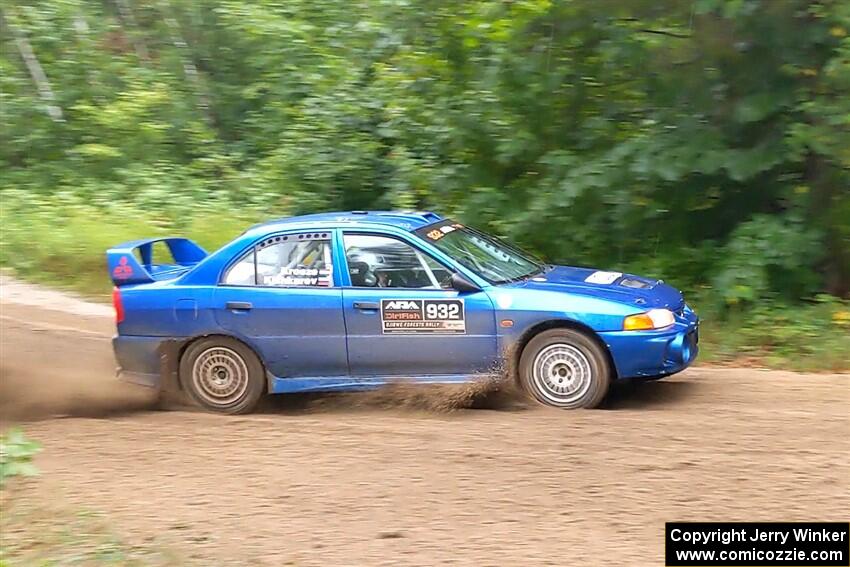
463	285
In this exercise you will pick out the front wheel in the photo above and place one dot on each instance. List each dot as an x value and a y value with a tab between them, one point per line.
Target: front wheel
222	375
565	368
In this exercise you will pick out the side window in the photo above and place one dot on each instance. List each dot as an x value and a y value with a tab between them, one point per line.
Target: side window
285	261
382	261
242	272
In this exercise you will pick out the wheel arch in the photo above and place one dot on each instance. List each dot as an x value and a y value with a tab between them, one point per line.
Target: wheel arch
172	351
519	346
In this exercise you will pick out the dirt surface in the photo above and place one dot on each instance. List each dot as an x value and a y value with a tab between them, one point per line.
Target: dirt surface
352	480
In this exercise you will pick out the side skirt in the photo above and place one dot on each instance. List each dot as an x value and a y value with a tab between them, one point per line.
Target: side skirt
355	383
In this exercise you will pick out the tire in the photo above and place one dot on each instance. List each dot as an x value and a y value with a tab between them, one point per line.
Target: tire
565	368
222	375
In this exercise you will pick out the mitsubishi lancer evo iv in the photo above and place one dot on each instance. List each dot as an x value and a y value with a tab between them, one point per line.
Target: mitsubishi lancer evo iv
351	301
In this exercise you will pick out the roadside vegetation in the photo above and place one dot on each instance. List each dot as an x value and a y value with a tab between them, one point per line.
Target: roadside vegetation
36	533
705	142
16	453
805	336
48	535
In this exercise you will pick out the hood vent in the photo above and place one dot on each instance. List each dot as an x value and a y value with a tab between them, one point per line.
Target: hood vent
635	284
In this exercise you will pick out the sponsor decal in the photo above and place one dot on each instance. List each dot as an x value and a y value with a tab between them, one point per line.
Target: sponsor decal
123	270
299	277
605	278
423	316
440	232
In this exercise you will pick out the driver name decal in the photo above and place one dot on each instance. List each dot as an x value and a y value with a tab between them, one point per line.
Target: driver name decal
315	277
423	316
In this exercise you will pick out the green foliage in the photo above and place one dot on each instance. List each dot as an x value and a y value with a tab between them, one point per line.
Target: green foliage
73	233
811	336
45	532
16	453
702	142
768	253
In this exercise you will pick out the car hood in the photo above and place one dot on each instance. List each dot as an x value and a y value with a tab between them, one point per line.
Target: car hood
634	290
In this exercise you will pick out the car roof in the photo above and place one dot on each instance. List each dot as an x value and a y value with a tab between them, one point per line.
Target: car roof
407	220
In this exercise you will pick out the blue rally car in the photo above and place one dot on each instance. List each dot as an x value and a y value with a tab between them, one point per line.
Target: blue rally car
347	301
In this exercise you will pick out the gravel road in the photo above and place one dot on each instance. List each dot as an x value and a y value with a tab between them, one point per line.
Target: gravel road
336	481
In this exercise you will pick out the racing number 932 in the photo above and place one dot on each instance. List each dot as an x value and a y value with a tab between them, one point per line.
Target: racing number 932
423	316
442	311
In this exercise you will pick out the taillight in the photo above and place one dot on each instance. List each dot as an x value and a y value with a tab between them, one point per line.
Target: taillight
116	303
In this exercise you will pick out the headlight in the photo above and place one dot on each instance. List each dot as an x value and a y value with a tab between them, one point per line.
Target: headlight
652	319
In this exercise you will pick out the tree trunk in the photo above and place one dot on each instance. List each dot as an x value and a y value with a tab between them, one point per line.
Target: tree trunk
39	78
189	67
826	196
139	44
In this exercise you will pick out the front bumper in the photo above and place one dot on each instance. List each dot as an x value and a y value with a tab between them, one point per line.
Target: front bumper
655	353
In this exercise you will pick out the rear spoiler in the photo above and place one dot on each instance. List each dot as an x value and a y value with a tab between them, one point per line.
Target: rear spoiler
133	263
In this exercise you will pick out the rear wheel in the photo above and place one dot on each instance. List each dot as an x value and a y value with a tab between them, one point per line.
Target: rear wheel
565	368
222	375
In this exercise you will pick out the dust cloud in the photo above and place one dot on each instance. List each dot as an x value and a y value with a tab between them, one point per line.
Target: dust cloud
486	393
56	361
48	373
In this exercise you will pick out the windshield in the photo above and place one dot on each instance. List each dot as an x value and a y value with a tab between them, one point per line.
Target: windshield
494	260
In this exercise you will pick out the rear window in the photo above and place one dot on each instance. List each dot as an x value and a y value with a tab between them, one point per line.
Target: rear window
294	260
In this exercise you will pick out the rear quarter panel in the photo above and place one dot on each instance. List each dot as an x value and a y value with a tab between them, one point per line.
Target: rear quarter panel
167	311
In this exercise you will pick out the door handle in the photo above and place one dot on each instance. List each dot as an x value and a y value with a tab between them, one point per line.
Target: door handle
238	305
370	305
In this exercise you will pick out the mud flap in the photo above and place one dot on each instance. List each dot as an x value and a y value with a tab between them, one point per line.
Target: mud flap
169	364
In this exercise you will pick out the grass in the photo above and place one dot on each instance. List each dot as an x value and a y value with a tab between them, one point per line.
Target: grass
60	241
810	336
39	529
16	454
46	533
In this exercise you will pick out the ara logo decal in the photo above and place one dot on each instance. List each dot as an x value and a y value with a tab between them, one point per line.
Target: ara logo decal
401	304
123	270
